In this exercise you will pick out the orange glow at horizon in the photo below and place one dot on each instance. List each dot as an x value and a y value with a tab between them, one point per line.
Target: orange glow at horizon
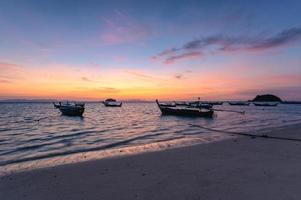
65	82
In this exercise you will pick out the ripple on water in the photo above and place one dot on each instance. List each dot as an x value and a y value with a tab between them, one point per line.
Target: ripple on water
23	139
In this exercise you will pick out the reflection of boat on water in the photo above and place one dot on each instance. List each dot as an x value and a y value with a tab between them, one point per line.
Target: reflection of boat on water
112	103
184	111
70	109
239	103
265	103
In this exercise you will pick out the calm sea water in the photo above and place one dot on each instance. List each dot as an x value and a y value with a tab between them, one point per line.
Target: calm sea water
24	139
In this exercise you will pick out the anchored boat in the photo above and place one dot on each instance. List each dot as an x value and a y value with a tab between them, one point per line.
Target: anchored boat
184	111
213	103
198	104
265	103
239	103
70	109
112	103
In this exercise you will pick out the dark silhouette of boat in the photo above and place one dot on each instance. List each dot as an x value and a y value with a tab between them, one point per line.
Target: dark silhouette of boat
198	104
265	104
112	103
70	109
216	103
213	103
181	103
239	103
184	111
169	104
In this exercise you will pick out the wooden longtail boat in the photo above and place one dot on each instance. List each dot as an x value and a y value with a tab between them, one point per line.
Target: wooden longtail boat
168	104
213	103
265	104
184	111
181	103
112	103
70	109
198	104
239	103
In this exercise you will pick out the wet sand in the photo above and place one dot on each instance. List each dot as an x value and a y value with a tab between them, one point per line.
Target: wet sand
237	168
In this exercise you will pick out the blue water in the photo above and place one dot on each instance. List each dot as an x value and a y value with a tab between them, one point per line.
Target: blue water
24	139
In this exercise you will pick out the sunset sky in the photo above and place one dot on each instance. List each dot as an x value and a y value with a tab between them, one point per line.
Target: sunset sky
91	50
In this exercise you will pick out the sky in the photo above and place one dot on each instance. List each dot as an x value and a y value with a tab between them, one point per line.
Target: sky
169	50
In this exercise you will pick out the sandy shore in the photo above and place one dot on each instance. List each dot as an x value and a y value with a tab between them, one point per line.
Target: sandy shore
241	168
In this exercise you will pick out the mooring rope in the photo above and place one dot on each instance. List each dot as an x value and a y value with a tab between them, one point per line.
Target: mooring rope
247	134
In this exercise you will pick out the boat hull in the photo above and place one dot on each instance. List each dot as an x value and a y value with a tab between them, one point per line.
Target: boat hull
112	104
265	104
239	104
205	106
189	112
72	111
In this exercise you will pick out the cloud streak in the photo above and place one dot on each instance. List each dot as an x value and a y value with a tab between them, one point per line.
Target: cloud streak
5	81
142	75
7	66
121	28
107	90
86	79
222	43
173	59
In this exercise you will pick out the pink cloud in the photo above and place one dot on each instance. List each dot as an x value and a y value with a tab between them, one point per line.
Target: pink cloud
121	28
6	65
5	81
285	78
142	75
9	71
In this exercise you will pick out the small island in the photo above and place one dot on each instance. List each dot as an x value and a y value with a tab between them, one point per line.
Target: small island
267	98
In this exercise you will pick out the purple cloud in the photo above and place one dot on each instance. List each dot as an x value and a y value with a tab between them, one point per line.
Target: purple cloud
221	43
285	37
172	59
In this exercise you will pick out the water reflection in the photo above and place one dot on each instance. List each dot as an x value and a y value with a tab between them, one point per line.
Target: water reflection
24	138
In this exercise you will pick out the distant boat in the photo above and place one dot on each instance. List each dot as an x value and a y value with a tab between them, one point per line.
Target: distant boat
70	109
198	104
265	103
184	111
213	103
239	103
112	103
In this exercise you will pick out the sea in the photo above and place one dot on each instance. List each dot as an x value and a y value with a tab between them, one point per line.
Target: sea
37	132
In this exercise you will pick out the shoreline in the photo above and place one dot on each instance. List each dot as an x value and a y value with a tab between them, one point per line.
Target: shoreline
235	168
113	153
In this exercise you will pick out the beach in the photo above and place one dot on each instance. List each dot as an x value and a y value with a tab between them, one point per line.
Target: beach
235	168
